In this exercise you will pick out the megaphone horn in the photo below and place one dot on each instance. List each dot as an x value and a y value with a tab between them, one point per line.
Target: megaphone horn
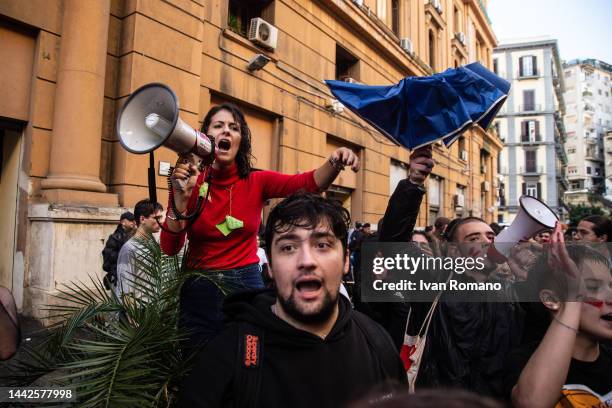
150	119
533	217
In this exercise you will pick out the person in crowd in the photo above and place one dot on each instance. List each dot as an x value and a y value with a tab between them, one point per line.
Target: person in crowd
263	260
439	227
10	335
123	232
468	342
301	345
423	240
148	217
222	240
570	366
543	237
594	228
397	225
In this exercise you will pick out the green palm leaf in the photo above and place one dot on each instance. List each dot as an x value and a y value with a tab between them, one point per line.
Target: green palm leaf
116	352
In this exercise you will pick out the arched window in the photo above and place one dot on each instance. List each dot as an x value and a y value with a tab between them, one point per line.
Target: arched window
432	50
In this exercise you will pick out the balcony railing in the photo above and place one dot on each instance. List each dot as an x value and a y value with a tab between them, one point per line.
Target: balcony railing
531	139
536	107
531	170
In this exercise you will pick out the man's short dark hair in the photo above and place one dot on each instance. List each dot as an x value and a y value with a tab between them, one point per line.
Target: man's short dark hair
441	221
366	225
453	227
601	225
146	208
127	216
307	210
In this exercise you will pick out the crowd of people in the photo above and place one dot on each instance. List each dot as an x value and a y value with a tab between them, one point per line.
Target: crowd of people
271	325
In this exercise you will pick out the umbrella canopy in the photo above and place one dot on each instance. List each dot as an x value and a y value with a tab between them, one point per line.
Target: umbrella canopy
422	110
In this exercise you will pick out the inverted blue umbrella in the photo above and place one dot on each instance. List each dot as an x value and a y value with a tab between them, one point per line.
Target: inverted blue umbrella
422	110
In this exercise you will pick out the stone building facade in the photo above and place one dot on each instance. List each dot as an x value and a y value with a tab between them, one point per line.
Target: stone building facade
531	125
69	65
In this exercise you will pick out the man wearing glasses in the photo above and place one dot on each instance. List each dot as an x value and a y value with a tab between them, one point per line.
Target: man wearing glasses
148	217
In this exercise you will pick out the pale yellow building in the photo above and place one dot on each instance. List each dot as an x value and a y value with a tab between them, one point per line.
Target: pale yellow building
69	65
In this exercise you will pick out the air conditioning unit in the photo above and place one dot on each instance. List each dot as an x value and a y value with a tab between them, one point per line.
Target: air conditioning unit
463	155
460	37
436	4
349	80
486	186
334	106
359	3
459	200
406	45
263	33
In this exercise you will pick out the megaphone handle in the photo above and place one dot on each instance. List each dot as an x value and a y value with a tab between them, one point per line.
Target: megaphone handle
179	184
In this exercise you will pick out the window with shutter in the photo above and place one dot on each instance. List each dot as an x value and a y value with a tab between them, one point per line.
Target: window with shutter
521	67
530	161
534	65
529	100
539	195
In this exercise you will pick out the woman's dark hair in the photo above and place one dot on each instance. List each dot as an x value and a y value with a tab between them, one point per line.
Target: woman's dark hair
601	225
244	155
307	210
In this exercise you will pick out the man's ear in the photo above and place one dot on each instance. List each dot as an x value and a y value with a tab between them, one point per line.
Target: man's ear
603	238
550	300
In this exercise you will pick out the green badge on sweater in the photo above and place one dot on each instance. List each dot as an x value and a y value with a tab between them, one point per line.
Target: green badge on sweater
229	224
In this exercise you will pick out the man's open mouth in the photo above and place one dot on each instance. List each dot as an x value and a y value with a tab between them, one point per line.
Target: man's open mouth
607	317
308	285
224	145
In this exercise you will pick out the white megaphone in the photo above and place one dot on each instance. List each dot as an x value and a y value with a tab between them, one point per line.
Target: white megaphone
533	217
150	119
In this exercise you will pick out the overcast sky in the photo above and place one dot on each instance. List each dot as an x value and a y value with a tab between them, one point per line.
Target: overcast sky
583	29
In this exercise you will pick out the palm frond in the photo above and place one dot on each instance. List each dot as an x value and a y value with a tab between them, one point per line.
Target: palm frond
116	351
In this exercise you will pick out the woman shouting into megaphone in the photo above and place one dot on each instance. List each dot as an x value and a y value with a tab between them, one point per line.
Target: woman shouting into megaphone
222	250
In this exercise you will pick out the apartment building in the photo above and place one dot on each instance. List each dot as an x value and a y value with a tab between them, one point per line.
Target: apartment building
531	125
69	66
588	96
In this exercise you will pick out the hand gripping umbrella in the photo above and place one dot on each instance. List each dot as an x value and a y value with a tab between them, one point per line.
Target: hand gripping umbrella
422	110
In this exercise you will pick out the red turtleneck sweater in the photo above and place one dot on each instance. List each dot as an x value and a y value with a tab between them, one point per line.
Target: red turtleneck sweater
208	247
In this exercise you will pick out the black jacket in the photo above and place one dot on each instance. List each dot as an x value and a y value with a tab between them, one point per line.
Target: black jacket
111	250
467	343
299	369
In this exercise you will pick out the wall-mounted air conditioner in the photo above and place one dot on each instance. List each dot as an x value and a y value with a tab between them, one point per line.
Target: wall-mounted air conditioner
460	37
406	45
349	80
463	155
437	5
263	33
334	106
459	200
486	186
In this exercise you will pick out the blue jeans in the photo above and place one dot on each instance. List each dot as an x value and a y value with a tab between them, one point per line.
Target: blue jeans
202	298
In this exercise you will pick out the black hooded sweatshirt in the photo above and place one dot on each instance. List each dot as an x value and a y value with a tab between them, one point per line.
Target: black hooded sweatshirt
298	369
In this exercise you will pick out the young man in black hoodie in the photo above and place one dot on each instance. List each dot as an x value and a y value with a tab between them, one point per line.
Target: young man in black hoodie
301	345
